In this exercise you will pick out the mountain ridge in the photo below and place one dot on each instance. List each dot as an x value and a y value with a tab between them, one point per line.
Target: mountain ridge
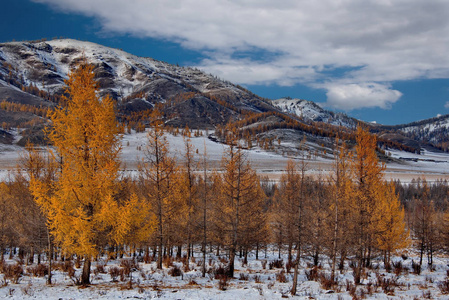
188	95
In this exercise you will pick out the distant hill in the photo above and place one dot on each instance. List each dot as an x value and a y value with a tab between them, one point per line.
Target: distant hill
311	111
32	78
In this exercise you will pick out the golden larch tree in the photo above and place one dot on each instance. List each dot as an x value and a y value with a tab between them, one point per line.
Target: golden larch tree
240	199
368	178
85	136
158	177
340	223
391	233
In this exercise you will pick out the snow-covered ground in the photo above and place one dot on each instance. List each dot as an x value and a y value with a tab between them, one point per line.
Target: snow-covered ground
429	165
256	280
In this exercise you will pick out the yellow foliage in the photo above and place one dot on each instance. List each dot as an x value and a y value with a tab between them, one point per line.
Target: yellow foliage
80	204
390	232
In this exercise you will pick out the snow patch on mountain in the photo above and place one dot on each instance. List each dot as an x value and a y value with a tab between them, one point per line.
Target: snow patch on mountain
128	73
311	111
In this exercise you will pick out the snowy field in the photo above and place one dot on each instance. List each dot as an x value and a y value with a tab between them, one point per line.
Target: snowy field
430	165
256	280
259	279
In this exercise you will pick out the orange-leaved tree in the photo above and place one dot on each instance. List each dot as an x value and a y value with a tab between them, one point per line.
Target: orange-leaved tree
391	233
83	208
240	200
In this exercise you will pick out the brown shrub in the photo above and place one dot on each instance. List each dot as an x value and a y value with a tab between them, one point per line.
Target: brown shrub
39	270
175	271
13	272
114	272
281	277
278	264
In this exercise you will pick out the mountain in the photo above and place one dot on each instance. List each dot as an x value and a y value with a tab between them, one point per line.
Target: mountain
434	131
32	78
310	111
430	133
137	83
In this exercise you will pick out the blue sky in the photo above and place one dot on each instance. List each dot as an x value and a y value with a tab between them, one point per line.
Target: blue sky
378	60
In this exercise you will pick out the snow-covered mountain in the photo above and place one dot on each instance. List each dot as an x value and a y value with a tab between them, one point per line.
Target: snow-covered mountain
33	74
46	65
433	130
136	82
310	111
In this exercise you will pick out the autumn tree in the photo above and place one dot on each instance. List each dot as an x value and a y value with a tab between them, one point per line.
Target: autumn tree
318	213
40	166
7	237
379	218
84	134
368	177
287	198
240	199
189	191
204	208
391	233
157	177
300	211
424	222
340	222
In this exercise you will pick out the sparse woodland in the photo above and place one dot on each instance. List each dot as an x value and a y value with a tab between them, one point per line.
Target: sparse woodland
71	207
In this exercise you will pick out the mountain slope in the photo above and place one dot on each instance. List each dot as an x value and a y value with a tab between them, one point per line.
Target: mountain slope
126	77
310	111
32	78
434	131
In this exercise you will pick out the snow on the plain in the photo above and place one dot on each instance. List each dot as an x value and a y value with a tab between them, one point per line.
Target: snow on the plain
251	281
134	146
427	161
432	165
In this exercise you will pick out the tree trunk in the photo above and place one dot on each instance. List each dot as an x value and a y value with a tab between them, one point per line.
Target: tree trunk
257	251
295	275
31	257
341	264
245	259
85	276
316	257
231	262
50	254
421	253
289	252
335	242
179	252
159	255
203	269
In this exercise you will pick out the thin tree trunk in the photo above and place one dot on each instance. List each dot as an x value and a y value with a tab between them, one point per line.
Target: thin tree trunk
421	253
50	254
334	242
231	261
204	216
295	275
85	276
245	259
290	246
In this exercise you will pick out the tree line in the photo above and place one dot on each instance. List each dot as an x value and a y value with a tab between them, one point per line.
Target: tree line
73	201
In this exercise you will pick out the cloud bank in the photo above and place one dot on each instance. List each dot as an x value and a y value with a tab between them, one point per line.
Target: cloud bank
308	42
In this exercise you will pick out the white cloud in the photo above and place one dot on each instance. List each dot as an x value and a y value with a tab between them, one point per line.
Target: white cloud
375	40
446	105
353	96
